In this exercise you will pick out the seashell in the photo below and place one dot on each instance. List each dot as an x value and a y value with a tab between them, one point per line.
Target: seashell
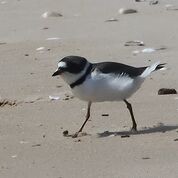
127	11
51	14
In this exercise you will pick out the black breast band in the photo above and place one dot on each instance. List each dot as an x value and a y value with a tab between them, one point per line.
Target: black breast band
82	78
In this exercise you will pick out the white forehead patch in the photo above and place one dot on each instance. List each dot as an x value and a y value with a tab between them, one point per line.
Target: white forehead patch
62	65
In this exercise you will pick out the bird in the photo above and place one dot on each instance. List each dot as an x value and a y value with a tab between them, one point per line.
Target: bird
103	81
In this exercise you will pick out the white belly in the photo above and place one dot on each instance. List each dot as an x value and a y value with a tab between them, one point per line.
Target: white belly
104	87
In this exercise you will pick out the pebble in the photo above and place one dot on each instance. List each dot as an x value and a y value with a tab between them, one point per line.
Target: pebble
167	91
67	97
153	2
104	114
53	38
135	52
35	145
148	50
14	156
112	20
127	11
65	133
40	48
23	142
78	140
176	139
134	43
145	158
125	136
54	97
51	14
45	28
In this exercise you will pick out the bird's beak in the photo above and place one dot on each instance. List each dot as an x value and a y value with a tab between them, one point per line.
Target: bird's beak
57	72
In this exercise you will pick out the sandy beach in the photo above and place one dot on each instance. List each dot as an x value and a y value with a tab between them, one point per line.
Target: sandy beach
34	36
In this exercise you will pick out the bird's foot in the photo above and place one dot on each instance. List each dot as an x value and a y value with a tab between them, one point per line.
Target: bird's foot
134	130
75	135
79	134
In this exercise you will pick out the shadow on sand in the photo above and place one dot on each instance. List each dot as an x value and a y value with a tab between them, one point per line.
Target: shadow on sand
160	128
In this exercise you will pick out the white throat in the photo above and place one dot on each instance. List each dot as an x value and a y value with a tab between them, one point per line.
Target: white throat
70	78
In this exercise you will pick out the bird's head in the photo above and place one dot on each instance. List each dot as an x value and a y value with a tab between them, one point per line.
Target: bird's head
71	68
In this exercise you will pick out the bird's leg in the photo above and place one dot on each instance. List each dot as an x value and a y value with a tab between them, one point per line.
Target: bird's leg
87	117
134	124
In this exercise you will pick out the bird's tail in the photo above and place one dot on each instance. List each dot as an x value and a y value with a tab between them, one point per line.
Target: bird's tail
153	67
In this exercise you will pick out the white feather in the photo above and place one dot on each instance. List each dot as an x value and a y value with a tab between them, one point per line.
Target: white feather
100	87
62	64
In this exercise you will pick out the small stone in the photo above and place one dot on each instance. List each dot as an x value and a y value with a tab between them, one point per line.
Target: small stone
14	156
153	2
166	91
53	38
134	43
35	145
45	28
51	14
112	20
65	133
125	136
127	11
54	97
148	50
176	139
105	115
145	158
26	54
78	140
40	48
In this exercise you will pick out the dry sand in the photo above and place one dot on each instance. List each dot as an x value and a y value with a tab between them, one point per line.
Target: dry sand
31	140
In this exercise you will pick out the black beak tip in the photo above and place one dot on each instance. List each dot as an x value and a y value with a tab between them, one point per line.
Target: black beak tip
58	72
55	73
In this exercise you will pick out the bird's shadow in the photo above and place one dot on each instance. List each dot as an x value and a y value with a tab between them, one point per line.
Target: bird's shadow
160	128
